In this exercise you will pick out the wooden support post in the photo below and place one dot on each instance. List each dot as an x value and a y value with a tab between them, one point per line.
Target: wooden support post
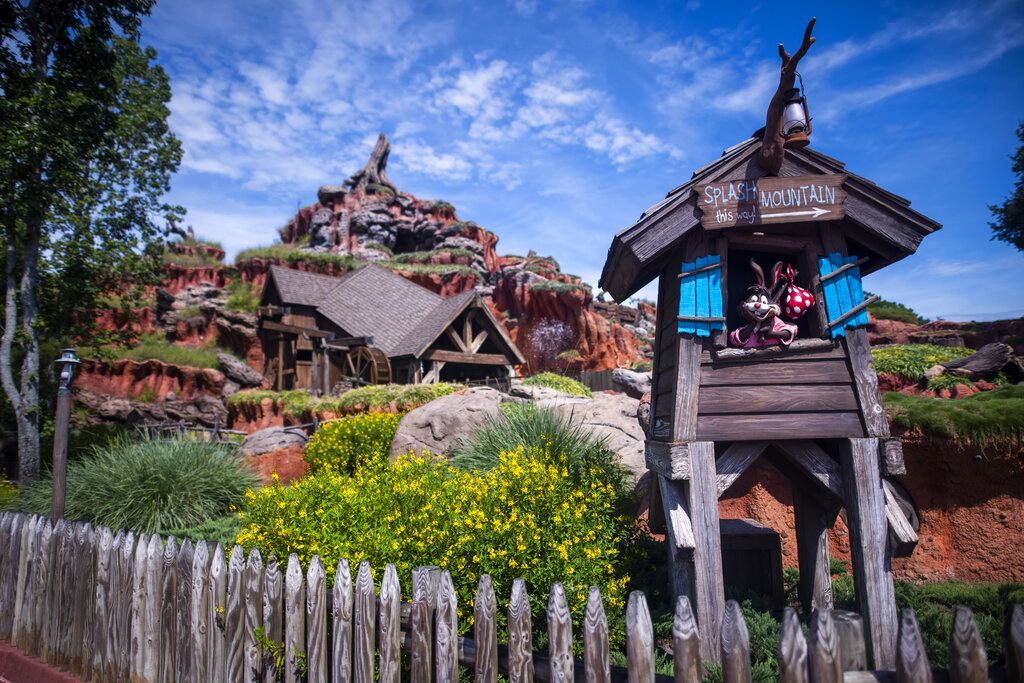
850	629
687	386
708	584
866	382
812	550
869	550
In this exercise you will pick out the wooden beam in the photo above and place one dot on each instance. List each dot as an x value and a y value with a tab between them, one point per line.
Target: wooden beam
865	381
707	556
462	357
456	339
811	519
779	426
720	338
854	311
779	398
669	460
798	346
702	269
687	386
804	372
735	461
901	533
293	329
842	269
810	458
677	516
478	341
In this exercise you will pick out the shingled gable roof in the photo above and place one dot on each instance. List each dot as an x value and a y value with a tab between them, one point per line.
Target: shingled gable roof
402	317
638	253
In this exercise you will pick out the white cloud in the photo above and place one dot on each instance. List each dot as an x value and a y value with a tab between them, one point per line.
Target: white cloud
416	156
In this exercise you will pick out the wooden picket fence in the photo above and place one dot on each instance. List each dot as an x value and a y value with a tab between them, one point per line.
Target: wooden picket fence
108	606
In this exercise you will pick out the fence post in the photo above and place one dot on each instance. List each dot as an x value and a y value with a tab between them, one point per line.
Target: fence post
824	654
364	625
200	614
389	628
911	658
446	655
485	631
136	624
294	617
1013	643
639	640
596	665
559	636
272	616
735	645
252	662
967	660
686	643
123	601
852	645
520	635
234	617
168	611
316	622
23	598
217	640
341	638
792	649
182	617
419	638
40	582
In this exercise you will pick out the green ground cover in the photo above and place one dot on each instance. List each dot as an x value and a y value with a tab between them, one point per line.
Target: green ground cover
559	383
995	417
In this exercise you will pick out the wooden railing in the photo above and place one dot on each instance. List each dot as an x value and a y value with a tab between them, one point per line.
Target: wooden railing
132	607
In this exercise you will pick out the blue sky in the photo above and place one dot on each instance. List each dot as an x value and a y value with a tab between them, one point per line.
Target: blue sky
556	125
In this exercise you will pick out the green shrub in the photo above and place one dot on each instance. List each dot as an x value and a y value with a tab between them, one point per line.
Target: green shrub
426	255
292	256
913	360
148	485
556	286
347	444
220	530
641	365
244	297
987	417
405	396
377	246
889	310
561	383
197	260
571	354
157	348
8	493
445	270
441	205
542	431
947	382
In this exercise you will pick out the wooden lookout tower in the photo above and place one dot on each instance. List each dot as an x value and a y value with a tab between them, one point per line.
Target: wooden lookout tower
730	387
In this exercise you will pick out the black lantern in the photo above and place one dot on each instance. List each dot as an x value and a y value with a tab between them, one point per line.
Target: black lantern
67	362
796	120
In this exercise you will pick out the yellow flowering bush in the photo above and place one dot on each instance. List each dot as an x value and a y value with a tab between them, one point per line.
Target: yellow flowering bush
345	445
524	518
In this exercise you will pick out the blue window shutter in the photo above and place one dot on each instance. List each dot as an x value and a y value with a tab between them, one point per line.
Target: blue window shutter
842	292
700	295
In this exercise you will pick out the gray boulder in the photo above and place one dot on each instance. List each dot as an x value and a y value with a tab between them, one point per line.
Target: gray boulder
270	440
633	384
329	194
434	427
613	417
238	371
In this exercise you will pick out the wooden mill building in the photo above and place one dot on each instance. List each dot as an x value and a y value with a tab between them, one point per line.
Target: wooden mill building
813	407
374	326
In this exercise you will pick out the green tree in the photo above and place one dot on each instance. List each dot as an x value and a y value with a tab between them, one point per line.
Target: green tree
86	156
1009	223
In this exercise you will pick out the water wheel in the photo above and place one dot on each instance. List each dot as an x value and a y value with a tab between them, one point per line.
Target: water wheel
369	365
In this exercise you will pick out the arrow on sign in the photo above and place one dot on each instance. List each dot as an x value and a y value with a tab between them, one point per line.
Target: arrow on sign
815	212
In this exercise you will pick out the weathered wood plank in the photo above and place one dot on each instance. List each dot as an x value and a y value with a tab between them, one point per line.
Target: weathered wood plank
892	456
252	660
364	625
790	372
419	650
168	610
687	388
389	630
799	351
485	632
778	426
735	645
216	643
671	460
425	582
182	618
865	381
109	628
596	664
677	517
872	573
199	621
810	458
735	460
316	622
639	640
520	635
559	636
446	632
850	630
85	574
782	398
707	555
902	537
686	663
824	659
1013	643
272	616
153	587
968	662
40	583
811	521
138	612
58	602
234	618
911	657
10	549
341	614
24	609
123	602
792	649
294	617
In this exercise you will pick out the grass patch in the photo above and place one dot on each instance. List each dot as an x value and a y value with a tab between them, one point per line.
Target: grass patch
441	205
890	310
161	350
197	260
244	297
556	286
561	383
377	188
913	360
990	417
377	246
429	268
426	255
148	485
299	402
293	256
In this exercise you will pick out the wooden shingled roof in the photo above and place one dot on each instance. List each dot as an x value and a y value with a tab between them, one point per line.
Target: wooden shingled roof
403	318
881	218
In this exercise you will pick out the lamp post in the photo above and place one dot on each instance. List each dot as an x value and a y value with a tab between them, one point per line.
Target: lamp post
66	363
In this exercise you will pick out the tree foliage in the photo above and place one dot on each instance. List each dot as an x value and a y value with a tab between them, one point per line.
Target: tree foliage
87	154
1009	223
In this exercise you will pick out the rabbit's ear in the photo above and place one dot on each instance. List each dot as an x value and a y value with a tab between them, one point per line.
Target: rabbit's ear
757	271
776	270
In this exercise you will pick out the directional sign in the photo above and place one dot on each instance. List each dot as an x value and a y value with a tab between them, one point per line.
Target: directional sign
767	201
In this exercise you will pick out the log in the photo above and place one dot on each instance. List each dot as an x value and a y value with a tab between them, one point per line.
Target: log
182	617
485	632
596	664
559	636
687	665
520	635
419	647
809	457
985	363
216	643
252	658
446	632
968	662
639	640
294	617
138	612
272	626
911	657
168	610
364	625
316	622
735	645
824	658
389	627
234	618
792	649
680	528
199	615
686	388
341	614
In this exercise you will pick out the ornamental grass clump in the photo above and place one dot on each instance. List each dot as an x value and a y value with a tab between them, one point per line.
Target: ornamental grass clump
148	484
526	518
345	445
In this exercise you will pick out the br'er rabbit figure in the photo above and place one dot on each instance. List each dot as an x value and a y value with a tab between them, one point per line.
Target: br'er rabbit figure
761	308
